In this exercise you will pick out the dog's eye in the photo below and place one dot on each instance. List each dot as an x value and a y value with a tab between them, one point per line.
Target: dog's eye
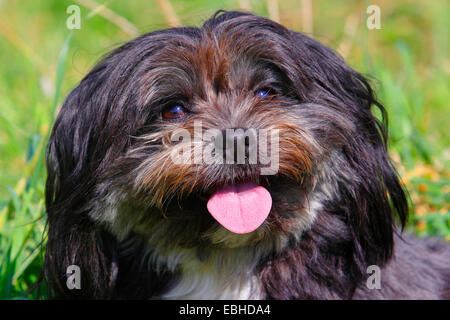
174	112
263	93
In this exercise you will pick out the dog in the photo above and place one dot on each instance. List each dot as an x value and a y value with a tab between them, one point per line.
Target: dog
141	225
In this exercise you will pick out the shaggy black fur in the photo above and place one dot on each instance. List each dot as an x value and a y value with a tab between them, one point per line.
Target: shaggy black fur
337	152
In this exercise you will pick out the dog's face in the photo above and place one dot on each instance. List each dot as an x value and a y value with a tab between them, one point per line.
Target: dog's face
111	155
236	76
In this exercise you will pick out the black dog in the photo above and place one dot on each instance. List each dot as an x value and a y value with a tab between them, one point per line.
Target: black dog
140	224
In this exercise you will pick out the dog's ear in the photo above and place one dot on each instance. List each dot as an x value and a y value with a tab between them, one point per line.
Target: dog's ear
371	196
73	238
75	241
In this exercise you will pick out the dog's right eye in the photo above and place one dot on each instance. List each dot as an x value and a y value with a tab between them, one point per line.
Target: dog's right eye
263	93
174	112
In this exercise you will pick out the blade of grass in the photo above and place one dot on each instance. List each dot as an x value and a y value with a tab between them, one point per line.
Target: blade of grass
23	47
38	159
35	165
273	10
307	16
350	29
116	19
245	5
172	18
6	273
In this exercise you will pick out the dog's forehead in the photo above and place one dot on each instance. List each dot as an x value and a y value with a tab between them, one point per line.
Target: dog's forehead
210	64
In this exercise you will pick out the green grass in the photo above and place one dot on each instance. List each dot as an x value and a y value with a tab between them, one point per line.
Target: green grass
42	60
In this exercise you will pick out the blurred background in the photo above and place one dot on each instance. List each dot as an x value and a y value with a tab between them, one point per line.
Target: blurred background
41	60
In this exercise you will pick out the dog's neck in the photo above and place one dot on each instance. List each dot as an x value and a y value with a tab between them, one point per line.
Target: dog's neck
258	273
226	275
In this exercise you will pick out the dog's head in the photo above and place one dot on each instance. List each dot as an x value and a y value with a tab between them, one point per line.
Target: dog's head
142	148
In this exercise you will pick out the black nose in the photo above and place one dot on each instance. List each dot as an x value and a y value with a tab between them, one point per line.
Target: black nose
239	145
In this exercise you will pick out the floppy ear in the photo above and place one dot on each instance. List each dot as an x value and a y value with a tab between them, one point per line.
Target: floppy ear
73	238
373	197
92	130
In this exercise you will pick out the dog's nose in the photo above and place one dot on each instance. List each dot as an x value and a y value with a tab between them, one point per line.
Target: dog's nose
239	145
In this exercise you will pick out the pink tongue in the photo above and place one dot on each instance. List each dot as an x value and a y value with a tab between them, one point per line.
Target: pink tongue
240	208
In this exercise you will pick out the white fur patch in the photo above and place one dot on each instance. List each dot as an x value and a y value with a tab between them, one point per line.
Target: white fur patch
196	285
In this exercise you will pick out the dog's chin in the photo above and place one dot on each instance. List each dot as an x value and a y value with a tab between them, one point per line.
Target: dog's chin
186	222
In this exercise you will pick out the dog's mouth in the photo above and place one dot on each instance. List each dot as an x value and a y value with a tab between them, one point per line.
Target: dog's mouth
240	208
244	206
232	213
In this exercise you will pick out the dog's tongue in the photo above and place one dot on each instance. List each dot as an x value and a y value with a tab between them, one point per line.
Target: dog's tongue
241	208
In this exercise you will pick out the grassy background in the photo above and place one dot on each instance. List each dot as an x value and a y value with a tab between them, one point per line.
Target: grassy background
41	60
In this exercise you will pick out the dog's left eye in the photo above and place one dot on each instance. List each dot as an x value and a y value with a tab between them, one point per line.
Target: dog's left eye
263	93
174	112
